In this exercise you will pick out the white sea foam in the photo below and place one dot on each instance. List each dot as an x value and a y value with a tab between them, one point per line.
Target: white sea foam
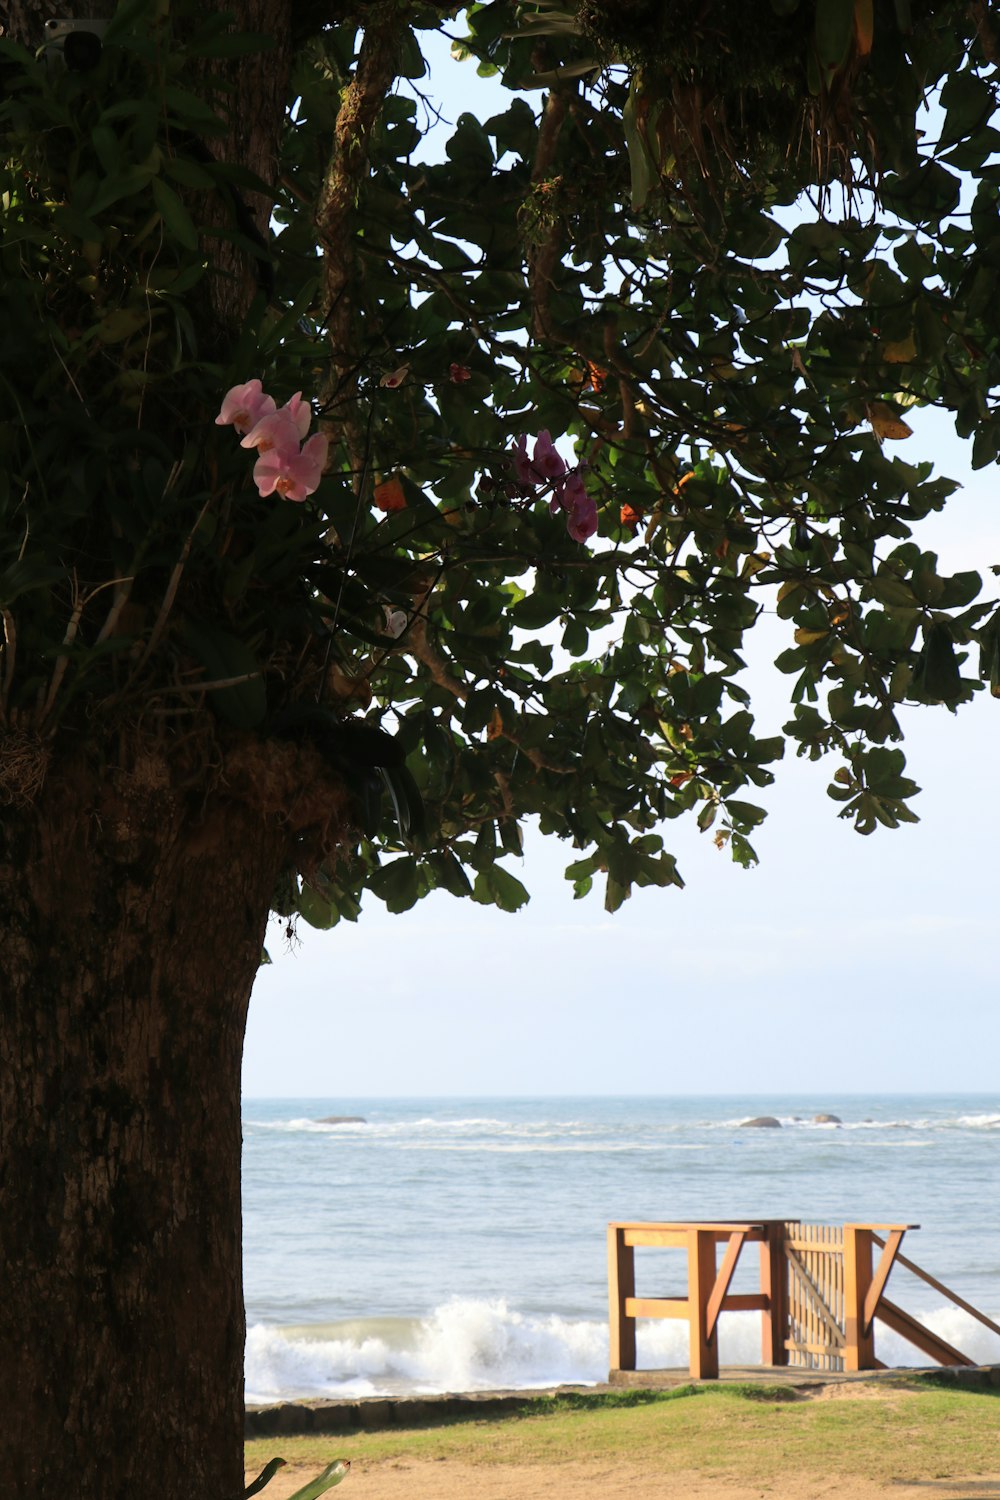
395	1128
473	1132
957	1328
469	1344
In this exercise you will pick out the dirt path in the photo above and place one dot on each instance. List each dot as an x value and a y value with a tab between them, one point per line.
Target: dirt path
445	1479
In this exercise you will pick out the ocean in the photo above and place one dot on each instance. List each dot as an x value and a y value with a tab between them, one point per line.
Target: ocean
459	1244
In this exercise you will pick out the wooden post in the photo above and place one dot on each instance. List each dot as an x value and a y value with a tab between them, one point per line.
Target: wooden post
859	1345
774	1286
704	1350
621	1285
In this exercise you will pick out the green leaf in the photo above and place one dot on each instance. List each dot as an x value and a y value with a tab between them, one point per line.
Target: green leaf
192	110
968	103
645	172
470	146
411	63
936	677
398	883
289	321
495	886
175	216
190	174
834	31
17	53
745	813
449	874
122	185
268	1472
316	909
615	894
75	225
127	14
23	576
925	195
331	1475
121	323
108	148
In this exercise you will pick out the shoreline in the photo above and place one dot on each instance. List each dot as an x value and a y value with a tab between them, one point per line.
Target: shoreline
320	1415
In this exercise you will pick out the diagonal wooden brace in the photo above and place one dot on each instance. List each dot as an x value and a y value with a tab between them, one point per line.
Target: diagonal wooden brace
722	1280
881	1276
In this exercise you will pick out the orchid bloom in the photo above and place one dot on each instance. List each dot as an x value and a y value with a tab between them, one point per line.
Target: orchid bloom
546	462
567	490
290	473
244	406
300	412
522	463
396	621
285	465
580	508
278	429
581	521
395	377
568	495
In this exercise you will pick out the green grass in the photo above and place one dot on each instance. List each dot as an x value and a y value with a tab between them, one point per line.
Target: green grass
749	1433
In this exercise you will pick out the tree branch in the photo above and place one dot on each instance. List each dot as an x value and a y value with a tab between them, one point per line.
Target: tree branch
346	171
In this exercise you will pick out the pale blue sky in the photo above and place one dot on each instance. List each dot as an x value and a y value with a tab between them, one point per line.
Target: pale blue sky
840	964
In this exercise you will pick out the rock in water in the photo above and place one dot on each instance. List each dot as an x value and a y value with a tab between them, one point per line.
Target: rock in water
827	1120
762	1122
342	1120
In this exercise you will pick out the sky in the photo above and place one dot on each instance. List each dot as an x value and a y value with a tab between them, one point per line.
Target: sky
840	964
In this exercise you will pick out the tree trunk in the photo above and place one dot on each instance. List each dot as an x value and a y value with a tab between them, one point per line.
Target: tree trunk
133	926
135	885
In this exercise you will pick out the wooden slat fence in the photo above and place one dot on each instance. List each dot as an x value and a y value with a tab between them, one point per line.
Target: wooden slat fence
815	1293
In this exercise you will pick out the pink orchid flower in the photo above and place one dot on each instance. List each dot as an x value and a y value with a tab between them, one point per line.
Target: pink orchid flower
523	471
546	461
459	374
544	465
292	475
244	406
278	429
396	621
581	521
568	494
300	412
581	510
395	377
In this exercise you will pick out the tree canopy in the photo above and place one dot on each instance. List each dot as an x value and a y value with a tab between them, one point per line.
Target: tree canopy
362	503
714	262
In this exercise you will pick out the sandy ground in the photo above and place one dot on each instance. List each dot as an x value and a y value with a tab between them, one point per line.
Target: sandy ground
448	1480
625	1479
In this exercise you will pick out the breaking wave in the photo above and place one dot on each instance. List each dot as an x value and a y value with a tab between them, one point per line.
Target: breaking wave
469	1344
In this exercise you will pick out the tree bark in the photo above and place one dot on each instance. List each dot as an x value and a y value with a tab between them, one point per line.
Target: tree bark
135	884
133	931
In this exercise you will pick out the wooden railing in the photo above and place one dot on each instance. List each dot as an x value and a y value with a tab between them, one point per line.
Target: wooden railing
820	1292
